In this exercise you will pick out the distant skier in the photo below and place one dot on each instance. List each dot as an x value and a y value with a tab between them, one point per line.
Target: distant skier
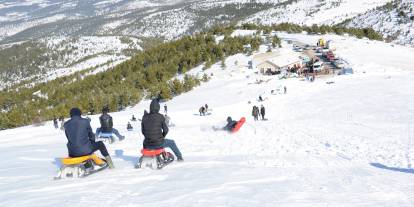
81	140
284	89
230	124
255	113
260	98
206	107
129	127
107	125
165	109
154	129
55	123
262	112
133	118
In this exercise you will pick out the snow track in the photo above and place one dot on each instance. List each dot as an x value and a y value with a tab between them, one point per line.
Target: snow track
344	144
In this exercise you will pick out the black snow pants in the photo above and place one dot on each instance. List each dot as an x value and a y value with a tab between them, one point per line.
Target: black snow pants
101	147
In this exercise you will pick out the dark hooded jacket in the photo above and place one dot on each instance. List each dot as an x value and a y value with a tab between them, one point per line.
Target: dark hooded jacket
153	127
106	123
80	136
262	111
230	124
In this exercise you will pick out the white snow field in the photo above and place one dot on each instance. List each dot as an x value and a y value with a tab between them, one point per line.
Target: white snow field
350	143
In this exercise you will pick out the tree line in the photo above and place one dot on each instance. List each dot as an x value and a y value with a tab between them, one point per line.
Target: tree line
159	71
314	29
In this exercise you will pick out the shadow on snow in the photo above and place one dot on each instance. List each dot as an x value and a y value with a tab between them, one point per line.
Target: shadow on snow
404	170
120	154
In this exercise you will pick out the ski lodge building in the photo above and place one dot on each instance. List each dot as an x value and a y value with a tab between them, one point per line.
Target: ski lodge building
275	63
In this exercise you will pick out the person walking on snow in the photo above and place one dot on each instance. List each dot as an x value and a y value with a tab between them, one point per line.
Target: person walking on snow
165	109
167	119
255	113
262	112
62	122
81	140
55	123
284	89
206	107
107	125
154	129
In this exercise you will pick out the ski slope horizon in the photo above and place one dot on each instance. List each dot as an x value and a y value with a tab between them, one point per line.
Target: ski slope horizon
350	143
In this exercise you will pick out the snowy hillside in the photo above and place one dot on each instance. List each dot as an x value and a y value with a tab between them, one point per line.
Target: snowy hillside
315	11
52	57
394	20
166	19
349	143
144	20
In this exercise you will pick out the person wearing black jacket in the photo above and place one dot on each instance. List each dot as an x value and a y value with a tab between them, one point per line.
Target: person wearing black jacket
262	112
107	125
55	123
230	124
81	140
255	113
154	129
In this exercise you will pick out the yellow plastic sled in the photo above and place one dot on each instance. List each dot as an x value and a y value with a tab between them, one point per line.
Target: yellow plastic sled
75	167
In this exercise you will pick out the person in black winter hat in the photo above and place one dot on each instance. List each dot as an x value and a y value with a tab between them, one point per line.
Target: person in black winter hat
107	124
262	112
81	140
230	124
154	129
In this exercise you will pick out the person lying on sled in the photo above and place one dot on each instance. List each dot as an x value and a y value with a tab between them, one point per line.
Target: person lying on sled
154	129
230	124
81	140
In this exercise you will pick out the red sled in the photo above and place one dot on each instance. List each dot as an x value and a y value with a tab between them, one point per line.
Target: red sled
155	159
238	125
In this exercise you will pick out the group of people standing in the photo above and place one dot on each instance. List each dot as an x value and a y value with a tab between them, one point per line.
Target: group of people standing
256	112
56	123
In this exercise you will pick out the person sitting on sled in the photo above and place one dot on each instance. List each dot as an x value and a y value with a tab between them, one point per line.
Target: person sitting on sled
230	124
107	125
129	127
81	140
154	129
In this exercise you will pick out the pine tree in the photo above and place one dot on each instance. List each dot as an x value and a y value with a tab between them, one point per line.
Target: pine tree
176	87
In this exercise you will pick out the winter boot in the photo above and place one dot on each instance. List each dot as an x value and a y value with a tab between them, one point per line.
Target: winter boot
121	138
109	161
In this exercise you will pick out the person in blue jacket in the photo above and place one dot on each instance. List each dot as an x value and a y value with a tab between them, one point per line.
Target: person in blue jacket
81	139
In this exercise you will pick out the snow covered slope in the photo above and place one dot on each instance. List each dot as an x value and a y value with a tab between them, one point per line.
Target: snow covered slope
52	57
394	20
350	143
20	20
308	12
23	20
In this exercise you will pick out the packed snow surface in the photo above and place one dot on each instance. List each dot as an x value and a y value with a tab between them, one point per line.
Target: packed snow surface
349	143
